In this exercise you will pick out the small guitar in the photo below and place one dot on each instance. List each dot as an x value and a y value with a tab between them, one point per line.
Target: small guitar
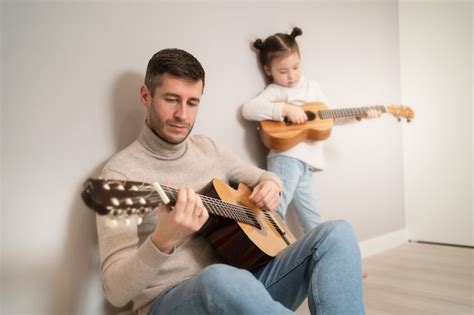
242	234
283	135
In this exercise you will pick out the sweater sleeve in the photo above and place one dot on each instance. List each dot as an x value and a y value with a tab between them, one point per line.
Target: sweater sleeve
268	105
126	267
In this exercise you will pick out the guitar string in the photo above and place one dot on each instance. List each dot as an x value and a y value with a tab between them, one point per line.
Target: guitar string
232	211
235	208
344	112
228	210
221	205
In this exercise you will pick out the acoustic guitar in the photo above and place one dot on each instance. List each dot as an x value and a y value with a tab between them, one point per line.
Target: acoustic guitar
242	234
283	135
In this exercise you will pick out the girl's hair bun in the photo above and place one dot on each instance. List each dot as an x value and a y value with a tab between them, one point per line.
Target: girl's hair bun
258	44
296	32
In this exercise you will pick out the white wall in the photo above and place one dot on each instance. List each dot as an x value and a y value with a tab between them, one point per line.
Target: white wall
71	73
436	75
1	153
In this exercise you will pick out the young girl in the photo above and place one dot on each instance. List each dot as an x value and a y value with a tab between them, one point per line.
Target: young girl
289	89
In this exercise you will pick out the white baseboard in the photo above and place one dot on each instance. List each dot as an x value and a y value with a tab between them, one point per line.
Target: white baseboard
383	242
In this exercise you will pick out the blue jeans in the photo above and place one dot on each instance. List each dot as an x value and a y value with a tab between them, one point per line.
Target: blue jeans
298	189
324	265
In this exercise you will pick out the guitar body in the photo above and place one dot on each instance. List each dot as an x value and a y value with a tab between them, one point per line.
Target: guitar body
240	244
281	136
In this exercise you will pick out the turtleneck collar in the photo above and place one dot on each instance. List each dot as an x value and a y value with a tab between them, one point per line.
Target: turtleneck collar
160	148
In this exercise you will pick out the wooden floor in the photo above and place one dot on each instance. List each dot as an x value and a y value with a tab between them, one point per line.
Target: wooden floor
418	279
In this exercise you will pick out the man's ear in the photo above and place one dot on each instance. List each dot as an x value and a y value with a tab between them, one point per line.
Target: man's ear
145	96
267	71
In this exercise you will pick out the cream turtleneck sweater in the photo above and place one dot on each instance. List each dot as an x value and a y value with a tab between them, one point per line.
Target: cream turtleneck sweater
132	268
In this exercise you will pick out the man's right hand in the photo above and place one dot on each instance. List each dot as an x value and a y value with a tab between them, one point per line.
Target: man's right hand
176	224
294	113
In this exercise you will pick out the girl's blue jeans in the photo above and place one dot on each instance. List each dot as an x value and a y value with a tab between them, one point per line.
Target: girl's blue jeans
324	266
298	189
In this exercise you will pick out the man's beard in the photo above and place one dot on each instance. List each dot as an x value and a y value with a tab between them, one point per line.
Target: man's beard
163	136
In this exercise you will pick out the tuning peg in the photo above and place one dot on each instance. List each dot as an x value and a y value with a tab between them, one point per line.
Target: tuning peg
115	201
399	119
126	221
139	220
408	120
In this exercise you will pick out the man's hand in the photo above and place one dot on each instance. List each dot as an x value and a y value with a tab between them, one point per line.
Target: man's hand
266	195
294	113
178	223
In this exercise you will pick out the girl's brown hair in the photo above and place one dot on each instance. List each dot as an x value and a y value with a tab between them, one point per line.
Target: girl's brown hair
277	45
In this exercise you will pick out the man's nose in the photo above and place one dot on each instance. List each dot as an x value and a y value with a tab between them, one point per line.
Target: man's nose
181	111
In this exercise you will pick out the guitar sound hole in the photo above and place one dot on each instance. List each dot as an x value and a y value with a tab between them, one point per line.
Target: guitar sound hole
256	224
310	115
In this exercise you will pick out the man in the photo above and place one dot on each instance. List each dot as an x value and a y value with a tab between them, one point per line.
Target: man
164	266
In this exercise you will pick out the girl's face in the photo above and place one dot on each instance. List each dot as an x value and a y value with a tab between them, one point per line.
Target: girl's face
285	71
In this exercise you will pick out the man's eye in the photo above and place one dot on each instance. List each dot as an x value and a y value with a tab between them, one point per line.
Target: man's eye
171	100
193	104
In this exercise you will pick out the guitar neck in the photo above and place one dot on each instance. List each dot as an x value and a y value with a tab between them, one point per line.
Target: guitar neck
216	207
348	112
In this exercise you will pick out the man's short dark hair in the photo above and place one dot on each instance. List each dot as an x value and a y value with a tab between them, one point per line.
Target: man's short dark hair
176	62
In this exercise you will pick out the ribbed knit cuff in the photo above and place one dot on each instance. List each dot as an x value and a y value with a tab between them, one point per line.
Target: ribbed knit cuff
151	256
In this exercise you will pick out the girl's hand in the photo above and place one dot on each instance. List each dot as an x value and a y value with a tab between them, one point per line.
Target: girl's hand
294	113
373	113
176	224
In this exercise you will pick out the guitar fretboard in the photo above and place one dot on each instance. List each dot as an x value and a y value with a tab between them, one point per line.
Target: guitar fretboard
217	207
125	198
348	112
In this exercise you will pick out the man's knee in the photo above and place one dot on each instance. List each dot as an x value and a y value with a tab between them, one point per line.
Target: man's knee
336	231
343	228
224	279
232	289
344	237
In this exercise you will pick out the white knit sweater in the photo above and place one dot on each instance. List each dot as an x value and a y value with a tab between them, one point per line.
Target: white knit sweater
268	105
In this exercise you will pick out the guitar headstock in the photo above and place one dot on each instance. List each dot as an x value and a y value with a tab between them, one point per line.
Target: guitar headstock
401	112
119	198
